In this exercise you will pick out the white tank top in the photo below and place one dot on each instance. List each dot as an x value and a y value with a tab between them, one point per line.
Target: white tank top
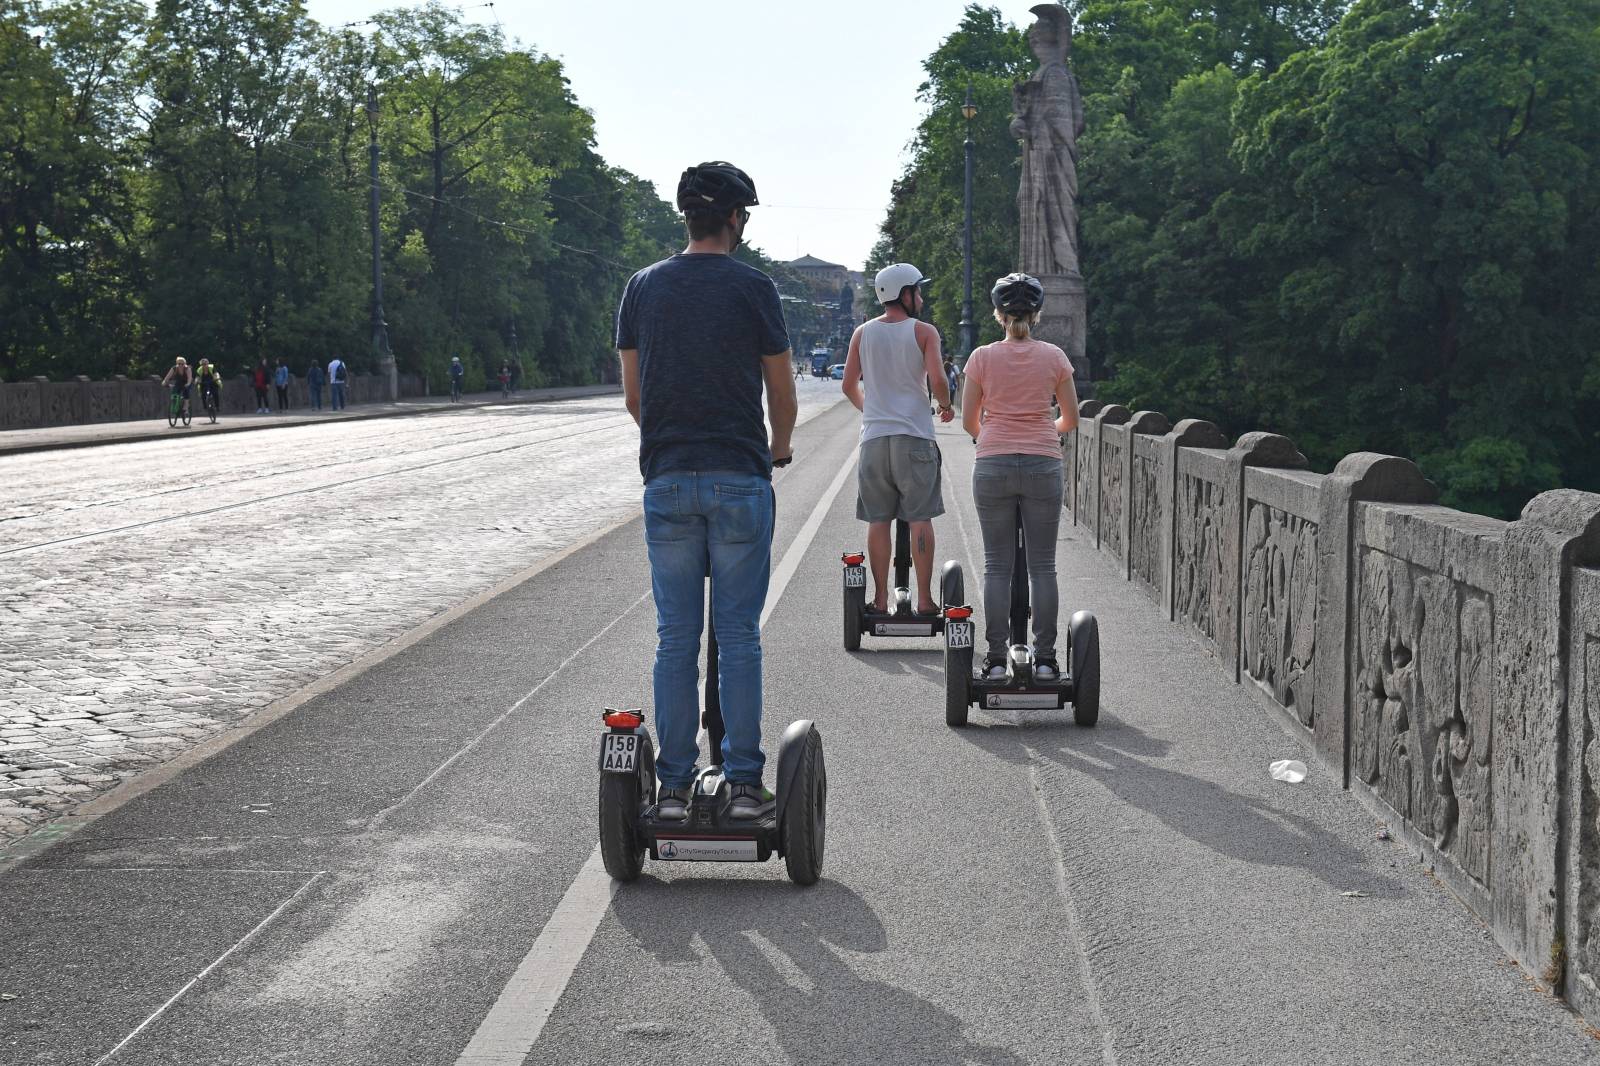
895	377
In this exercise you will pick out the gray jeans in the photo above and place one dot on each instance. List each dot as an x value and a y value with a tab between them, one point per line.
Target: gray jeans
999	484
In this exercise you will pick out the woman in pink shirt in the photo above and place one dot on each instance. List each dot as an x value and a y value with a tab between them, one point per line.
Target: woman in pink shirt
1005	407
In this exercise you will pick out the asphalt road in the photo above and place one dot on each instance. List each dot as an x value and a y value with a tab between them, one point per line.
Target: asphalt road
358	881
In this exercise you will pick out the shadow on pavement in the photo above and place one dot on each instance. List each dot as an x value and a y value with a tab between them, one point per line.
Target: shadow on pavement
1127	761
757	930
927	662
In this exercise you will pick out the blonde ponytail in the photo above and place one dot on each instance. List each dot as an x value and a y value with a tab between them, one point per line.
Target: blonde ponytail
1017	327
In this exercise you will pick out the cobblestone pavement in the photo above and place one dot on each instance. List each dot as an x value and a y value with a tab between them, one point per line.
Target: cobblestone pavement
157	593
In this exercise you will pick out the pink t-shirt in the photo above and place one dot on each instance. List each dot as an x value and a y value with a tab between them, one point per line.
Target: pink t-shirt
1018	379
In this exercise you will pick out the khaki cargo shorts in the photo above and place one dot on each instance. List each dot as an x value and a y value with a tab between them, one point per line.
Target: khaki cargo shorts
899	477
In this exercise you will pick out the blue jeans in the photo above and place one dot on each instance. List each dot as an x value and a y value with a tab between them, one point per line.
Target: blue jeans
338	395
692	523
316	397
999	484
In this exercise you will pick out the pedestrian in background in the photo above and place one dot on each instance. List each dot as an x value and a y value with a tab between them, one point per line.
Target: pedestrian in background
336	382
259	380
505	380
314	381
457	372
280	378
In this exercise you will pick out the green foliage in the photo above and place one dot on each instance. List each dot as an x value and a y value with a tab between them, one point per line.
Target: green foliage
69	261
1369	229
194	180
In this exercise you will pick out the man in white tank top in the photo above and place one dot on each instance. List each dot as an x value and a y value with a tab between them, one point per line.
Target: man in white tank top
899	473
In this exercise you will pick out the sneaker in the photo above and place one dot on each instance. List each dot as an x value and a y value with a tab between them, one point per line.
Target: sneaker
751	801
672	804
994	668
1047	670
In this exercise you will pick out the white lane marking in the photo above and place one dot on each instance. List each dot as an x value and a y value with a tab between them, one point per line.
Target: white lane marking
379	818
512	1026
508	1032
218	961
802	541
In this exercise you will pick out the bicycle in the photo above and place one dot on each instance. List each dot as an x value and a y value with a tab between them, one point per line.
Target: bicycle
210	398
179	409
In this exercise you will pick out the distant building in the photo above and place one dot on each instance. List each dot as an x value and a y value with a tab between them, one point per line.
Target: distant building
825	278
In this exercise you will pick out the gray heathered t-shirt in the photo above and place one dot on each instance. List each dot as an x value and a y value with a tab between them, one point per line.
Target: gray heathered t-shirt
702	323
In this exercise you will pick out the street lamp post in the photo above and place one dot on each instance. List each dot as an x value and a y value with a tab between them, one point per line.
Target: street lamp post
968	327
380	329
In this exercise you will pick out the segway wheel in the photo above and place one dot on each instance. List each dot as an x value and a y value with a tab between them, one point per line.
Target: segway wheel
957	679
855	608
1083	637
623	798
805	814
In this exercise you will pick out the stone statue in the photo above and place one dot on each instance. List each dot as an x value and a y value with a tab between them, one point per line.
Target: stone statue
1048	120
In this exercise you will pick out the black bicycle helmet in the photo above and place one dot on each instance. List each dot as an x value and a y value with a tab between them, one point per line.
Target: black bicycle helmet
716	185
1017	294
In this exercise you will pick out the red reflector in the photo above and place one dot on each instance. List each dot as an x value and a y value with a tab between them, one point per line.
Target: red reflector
958	612
624	719
853	558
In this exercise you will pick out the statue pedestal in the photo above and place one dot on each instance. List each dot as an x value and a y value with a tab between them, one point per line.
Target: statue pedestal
1065	323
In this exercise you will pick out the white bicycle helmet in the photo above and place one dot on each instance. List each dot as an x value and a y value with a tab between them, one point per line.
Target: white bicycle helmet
892	281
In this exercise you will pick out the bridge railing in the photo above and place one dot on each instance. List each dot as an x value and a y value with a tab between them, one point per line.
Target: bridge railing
1444	666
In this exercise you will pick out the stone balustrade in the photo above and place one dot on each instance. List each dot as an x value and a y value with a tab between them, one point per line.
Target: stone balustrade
1444	666
42	403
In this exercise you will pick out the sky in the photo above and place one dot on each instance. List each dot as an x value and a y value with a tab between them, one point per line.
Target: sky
817	100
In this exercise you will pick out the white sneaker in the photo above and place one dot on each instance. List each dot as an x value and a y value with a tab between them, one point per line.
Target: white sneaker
1045	670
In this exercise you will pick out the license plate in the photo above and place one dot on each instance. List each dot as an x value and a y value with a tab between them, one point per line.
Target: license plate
619	753
958	634
855	577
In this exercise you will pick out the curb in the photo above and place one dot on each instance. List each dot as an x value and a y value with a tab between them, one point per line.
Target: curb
196	431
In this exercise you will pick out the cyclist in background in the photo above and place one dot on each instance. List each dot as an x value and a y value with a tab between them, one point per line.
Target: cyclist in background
210	385
179	379
457	372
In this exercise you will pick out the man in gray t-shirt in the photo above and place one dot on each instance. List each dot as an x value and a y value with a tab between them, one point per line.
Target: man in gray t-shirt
700	335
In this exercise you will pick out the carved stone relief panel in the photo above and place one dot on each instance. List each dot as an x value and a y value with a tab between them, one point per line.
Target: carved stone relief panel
19	406
1111	471
1585	709
1279	628
1200	583
1421	702
1144	501
1084	481
61	405
105	401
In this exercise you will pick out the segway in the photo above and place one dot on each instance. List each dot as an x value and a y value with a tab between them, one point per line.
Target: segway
1079	685
901	619
629	826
